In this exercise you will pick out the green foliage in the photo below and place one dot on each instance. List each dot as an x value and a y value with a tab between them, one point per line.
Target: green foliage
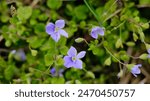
23	13
81	12
54	4
23	24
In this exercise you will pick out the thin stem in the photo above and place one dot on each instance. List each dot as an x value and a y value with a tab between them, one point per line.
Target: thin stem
133	57
92	11
84	69
114	56
116	12
118	26
42	71
110	7
4	50
86	42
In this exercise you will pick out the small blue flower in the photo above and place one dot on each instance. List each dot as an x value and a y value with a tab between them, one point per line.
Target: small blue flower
55	73
148	53
19	54
97	31
135	69
55	30
73	59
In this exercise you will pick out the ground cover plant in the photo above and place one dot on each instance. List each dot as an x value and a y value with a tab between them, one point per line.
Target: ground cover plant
74	41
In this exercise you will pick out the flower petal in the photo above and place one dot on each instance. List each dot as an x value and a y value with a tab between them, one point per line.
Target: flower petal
68	62
55	36
61	72
81	54
60	23
135	70
50	28
97	30
53	71
94	33
78	64
100	31
149	56
62	32
148	51
138	65
72	52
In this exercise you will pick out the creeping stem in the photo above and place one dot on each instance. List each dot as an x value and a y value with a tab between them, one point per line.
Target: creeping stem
114	56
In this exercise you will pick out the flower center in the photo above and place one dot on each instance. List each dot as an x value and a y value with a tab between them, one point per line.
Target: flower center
56	29
73	59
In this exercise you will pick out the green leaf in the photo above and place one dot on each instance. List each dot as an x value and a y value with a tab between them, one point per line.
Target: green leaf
135	37
78	82
143	56
90	74
129	66
56	80
63	50
48	58
54	4
124	57
137	19
147	46
60	61
79	40
3	63
9	72
108	61
39	28
130	44
144	2
119	43
142	36
145	26
83	24
81	12
35	41
8	43
34	52
23	13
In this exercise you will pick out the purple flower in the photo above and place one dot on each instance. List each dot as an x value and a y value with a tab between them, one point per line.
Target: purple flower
97	31
73	59
148	53
135	69
19	54
55	73
55	30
